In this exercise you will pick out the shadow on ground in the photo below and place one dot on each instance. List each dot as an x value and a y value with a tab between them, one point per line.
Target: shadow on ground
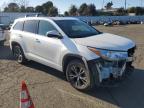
129	93
5	53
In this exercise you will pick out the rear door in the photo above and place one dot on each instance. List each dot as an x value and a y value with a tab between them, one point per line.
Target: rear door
29	33
16	32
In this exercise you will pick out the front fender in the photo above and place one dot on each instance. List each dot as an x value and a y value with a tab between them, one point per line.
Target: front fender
86	53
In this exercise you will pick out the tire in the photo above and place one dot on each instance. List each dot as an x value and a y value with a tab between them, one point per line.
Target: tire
19	54
79	77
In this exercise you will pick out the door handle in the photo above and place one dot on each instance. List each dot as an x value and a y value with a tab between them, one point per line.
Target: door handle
37	40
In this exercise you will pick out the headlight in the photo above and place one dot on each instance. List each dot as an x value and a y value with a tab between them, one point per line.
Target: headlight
109	55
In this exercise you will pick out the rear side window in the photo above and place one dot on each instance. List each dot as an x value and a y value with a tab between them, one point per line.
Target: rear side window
18	26
44	27
30	26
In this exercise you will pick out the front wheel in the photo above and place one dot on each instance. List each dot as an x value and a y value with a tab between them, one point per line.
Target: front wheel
79	77
18	54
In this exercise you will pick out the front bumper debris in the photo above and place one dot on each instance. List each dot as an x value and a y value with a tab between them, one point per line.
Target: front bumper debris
112	69
109	73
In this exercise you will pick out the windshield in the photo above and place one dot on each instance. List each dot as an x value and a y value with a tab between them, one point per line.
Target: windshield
76	28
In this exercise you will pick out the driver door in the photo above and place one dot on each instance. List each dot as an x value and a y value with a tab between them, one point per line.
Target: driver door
47	48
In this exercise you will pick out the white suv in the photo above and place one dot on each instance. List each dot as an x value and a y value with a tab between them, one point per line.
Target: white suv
86	56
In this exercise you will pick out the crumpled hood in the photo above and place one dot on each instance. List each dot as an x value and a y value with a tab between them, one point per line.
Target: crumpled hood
106	41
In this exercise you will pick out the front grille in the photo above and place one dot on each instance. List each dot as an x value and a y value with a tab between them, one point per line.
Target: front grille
131	52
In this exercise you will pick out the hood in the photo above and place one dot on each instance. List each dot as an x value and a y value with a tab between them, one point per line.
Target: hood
106	41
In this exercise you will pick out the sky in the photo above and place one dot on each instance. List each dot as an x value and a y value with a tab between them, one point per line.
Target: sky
64	5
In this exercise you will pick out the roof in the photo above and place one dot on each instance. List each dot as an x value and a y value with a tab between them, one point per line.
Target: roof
62	18
51	18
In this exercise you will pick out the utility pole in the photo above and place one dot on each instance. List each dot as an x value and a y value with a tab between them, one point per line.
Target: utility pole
103	5
125	4
141	3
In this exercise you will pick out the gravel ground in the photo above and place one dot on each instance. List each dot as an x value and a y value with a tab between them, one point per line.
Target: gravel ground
49	89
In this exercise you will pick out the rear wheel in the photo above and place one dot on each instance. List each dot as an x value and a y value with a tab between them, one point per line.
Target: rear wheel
18	54
79	77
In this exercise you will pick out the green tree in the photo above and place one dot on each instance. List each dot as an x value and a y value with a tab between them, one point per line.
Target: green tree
46	7
139	11
83	10
22	9
39	9
53	11
12	7
136	10
121	11
109	5
91	10
30	9
66	13
73	10
131	10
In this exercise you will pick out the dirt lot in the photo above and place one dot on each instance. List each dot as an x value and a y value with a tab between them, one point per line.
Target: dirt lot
49	89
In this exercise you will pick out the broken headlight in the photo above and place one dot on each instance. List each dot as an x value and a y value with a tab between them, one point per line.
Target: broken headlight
109	54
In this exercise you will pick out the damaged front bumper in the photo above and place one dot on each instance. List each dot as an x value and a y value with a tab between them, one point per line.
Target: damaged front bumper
110	71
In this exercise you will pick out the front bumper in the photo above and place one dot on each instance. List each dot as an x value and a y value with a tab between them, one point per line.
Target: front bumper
110	71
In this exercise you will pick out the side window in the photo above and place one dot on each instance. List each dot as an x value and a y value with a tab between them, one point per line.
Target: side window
30	26
18	26
44	27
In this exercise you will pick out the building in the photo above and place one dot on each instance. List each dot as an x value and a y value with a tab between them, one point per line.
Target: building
132	14
108	10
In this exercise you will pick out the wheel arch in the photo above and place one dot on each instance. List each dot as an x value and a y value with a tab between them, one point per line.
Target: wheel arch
16	43
69	57
13	44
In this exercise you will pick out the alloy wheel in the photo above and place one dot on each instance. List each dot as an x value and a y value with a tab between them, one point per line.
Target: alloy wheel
18	54
77	76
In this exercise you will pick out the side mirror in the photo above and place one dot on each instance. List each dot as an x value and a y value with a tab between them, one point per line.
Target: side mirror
54	34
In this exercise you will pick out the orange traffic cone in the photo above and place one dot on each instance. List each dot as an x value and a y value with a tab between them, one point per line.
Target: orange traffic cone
25	99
